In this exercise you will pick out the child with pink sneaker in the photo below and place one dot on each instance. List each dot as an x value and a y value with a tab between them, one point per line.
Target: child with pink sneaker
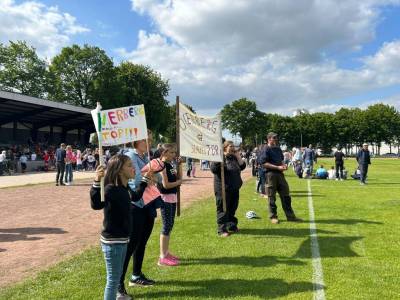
168	189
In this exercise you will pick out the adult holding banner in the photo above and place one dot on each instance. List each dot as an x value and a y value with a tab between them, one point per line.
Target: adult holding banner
232	167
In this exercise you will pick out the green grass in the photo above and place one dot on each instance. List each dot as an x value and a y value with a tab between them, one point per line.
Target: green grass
358	234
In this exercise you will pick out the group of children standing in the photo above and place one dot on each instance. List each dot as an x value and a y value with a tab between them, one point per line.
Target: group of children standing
134	188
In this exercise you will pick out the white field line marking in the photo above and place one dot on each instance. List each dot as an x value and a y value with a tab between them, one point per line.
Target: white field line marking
318	276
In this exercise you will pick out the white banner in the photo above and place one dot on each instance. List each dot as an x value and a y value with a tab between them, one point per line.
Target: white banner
121	125
200	137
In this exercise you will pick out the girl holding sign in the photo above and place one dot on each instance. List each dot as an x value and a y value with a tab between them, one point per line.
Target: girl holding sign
117	217
233	165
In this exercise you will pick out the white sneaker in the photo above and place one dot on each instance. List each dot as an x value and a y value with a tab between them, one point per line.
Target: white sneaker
67	183
337	179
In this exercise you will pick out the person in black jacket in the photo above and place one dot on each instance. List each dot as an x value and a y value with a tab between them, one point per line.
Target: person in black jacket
339	164
363	159
233	165
117	217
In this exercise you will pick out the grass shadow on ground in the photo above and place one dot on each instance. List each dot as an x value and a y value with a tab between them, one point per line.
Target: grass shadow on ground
229	288
330	247
262	261
290	232
348	221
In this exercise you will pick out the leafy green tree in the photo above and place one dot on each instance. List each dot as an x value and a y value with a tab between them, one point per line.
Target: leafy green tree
82	76
140	84
241	117
21	70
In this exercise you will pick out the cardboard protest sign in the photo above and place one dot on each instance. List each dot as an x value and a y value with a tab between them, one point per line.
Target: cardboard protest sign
121	125
200	137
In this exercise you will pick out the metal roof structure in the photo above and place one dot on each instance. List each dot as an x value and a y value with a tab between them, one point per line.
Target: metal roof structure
40	113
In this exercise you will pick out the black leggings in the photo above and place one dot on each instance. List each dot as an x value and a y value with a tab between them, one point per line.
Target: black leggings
168	217
142	227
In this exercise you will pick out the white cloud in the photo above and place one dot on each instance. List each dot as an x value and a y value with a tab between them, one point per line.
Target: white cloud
277	53
45	28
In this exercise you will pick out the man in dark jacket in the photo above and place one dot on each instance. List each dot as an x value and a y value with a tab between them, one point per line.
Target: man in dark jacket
363	159
60	163
272	160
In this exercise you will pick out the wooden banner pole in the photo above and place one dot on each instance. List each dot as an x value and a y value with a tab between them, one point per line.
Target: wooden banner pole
179	167
100	141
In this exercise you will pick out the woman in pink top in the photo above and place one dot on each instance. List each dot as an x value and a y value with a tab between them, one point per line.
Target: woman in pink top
69	158
168	189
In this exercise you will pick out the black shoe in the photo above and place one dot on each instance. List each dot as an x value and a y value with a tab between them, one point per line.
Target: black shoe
56	183
233	229
141	281
294	219
62	183
122	293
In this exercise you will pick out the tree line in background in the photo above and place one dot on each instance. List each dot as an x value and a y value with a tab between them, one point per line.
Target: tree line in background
346	128
82	76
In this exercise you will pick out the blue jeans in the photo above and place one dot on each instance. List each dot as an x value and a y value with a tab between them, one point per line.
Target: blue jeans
114	256
68	173
262	180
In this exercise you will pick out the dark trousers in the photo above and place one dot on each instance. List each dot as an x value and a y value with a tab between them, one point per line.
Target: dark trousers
227	220
142	226
364	171
276	182
60	171
261	181
339	169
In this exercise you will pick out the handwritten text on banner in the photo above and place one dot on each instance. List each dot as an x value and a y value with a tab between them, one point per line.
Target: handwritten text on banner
200	137
122	125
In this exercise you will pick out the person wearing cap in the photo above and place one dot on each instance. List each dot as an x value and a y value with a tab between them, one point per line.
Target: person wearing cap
363	159
272	160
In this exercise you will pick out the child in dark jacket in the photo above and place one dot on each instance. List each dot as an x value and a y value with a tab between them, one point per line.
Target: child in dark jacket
117	217
233	165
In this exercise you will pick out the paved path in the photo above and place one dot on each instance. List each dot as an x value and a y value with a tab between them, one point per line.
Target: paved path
44	224
37	178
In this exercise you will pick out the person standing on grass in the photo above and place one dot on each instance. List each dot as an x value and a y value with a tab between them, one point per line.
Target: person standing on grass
60	163
363	159
309	157
233	166
168	189
339	164
117	217
143	222
272	160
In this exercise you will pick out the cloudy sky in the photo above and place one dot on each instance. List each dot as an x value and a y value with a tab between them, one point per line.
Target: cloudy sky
283	54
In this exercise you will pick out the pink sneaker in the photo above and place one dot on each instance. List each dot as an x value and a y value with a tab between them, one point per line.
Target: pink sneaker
167	262
172	257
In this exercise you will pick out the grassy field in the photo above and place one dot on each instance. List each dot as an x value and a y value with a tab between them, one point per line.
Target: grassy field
358	235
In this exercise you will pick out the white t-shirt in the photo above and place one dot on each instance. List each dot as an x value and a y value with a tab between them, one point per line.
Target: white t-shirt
2	157
23	159
331	174
33	156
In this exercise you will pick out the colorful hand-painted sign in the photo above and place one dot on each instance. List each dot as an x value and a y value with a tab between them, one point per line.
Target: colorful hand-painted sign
121	125
200	137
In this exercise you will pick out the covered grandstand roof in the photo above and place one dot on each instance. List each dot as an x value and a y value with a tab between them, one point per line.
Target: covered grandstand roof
40	113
